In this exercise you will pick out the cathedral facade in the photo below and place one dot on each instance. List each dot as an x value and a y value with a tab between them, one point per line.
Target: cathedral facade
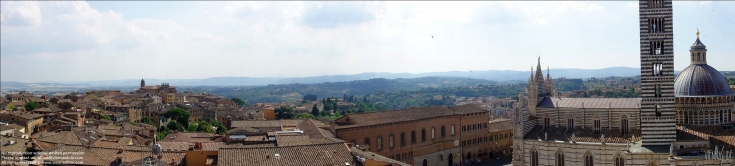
678	121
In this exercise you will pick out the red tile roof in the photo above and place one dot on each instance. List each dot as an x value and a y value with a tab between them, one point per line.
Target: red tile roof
322	154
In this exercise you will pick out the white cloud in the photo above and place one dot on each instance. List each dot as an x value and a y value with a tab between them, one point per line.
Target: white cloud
203	37
272	39
633	5
20	13
705	2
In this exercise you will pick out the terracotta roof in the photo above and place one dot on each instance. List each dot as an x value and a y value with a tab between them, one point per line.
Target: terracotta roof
383	117
265	123
370	155
324	154
26	115
107	156
63	137
715	134
583	135
18	147
189	137
500	125
553	102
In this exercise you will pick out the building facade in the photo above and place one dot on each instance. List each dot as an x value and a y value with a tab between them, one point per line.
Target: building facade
684	120
436	135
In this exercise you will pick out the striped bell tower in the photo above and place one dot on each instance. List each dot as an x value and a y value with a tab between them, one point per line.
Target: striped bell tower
658	114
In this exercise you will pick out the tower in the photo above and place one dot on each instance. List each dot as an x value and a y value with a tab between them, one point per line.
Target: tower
549	84
532	94
142	83
658	115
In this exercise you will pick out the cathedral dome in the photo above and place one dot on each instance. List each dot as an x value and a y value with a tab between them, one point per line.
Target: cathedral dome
700	80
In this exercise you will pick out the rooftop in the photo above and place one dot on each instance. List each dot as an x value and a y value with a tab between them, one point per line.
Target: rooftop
319	154
582	135
410	114
554	102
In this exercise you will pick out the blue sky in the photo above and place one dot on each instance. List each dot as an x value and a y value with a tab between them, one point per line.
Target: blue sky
79	41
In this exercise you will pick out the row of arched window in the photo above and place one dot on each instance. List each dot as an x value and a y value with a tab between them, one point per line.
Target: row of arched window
597	125
472	127
559	159
402	138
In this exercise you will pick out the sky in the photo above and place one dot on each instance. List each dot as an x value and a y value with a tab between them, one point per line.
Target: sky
101	40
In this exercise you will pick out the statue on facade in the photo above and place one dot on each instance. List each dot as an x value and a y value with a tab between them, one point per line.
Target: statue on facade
671	150
602	138
574	138
546	136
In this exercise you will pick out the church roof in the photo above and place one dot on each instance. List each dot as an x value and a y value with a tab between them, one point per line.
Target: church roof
700	80
582	135
698	45
556	102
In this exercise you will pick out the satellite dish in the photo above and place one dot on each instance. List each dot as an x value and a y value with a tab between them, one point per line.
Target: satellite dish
456	142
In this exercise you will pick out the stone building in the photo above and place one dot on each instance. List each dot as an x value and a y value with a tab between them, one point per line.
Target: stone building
436	135
685	120
163	88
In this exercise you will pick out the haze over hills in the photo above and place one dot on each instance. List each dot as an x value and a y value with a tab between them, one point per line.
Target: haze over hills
494	75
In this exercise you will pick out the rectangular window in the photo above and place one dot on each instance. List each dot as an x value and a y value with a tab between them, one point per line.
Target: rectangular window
380	143
390	141
403	139
452	130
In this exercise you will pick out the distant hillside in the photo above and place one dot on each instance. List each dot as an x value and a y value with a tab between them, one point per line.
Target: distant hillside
494	75
275	93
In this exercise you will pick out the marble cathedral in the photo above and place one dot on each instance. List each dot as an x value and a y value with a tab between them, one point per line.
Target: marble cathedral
678	121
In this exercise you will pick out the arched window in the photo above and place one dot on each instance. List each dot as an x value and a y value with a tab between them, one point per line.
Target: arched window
444	132
597	125
534	157
390	141
425	163
658	110
619	161
367	141
413	137
433	133
423	135
588	160
380	143
403	139
570	123
624	129
559	158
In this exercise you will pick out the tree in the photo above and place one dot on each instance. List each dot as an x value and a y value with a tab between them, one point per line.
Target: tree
11	106
284	113
239	101
324	113
221	128
192	127
146	120
315	110
106	117
178	114
173	125
31	106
